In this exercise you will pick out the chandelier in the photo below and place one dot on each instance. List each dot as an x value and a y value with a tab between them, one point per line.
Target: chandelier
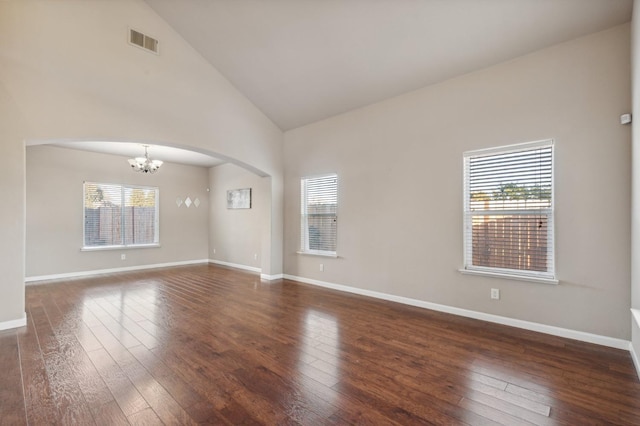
144	164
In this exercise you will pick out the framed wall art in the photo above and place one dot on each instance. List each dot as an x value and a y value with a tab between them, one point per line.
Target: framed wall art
239	198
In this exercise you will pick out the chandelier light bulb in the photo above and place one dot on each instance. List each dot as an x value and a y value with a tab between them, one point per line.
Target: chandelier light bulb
144	164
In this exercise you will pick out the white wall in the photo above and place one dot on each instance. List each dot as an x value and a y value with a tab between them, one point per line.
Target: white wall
12	210
635	183
72	86
55	179
399	164
235	234
58	84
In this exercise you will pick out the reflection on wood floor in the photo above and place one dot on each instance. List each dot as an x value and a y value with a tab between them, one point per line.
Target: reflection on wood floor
207	344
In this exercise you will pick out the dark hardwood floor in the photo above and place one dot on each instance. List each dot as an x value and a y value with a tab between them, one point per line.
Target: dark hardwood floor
206	344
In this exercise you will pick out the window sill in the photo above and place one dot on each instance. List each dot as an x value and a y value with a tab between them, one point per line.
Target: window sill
106	248
313	253
509	276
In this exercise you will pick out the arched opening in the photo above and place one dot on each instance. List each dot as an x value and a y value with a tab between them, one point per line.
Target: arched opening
56	168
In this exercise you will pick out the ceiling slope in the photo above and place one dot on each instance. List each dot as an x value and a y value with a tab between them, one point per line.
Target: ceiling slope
301	61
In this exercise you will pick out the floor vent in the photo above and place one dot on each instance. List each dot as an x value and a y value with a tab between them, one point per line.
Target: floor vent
136	38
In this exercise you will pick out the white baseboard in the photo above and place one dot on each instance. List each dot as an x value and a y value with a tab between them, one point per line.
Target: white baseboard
248	268
20	322
236	265
527	325
112	270
271	277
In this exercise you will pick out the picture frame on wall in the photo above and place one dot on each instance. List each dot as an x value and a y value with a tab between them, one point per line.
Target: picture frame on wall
239	198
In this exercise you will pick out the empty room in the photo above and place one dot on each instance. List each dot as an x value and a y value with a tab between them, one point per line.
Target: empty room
319	212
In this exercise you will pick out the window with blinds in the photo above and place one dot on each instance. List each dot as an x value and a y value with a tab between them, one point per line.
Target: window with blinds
508	210
120	215
319	215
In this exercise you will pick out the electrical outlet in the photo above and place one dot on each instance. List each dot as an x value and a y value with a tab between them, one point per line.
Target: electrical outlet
123	256
322	267
495	293
214	251
255	256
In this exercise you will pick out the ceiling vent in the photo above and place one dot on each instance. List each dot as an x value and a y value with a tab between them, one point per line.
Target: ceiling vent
149	44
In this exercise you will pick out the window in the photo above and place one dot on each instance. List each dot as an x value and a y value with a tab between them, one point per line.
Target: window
120	216
319	215
508	210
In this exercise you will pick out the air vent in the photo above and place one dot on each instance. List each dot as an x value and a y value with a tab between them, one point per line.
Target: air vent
144	41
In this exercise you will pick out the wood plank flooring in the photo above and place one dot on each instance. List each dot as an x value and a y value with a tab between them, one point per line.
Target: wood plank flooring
211	345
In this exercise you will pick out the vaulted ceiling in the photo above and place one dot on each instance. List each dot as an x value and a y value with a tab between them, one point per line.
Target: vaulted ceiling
300	61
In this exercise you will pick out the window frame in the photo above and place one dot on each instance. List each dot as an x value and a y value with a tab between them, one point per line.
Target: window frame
123	188
547	277
304	224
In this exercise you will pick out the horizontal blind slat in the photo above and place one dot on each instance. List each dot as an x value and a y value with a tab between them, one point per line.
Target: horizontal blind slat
509	210
318	224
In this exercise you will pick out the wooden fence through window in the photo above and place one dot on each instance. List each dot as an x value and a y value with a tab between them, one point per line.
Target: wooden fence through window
512	242
103	225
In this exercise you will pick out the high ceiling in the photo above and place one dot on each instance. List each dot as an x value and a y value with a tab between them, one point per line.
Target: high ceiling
300	61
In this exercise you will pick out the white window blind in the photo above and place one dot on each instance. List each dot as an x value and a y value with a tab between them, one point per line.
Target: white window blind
120	215
319	214
508	202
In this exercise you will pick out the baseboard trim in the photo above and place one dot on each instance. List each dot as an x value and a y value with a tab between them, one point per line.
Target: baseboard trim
112	270
271	277
20	322
526	325
236	265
